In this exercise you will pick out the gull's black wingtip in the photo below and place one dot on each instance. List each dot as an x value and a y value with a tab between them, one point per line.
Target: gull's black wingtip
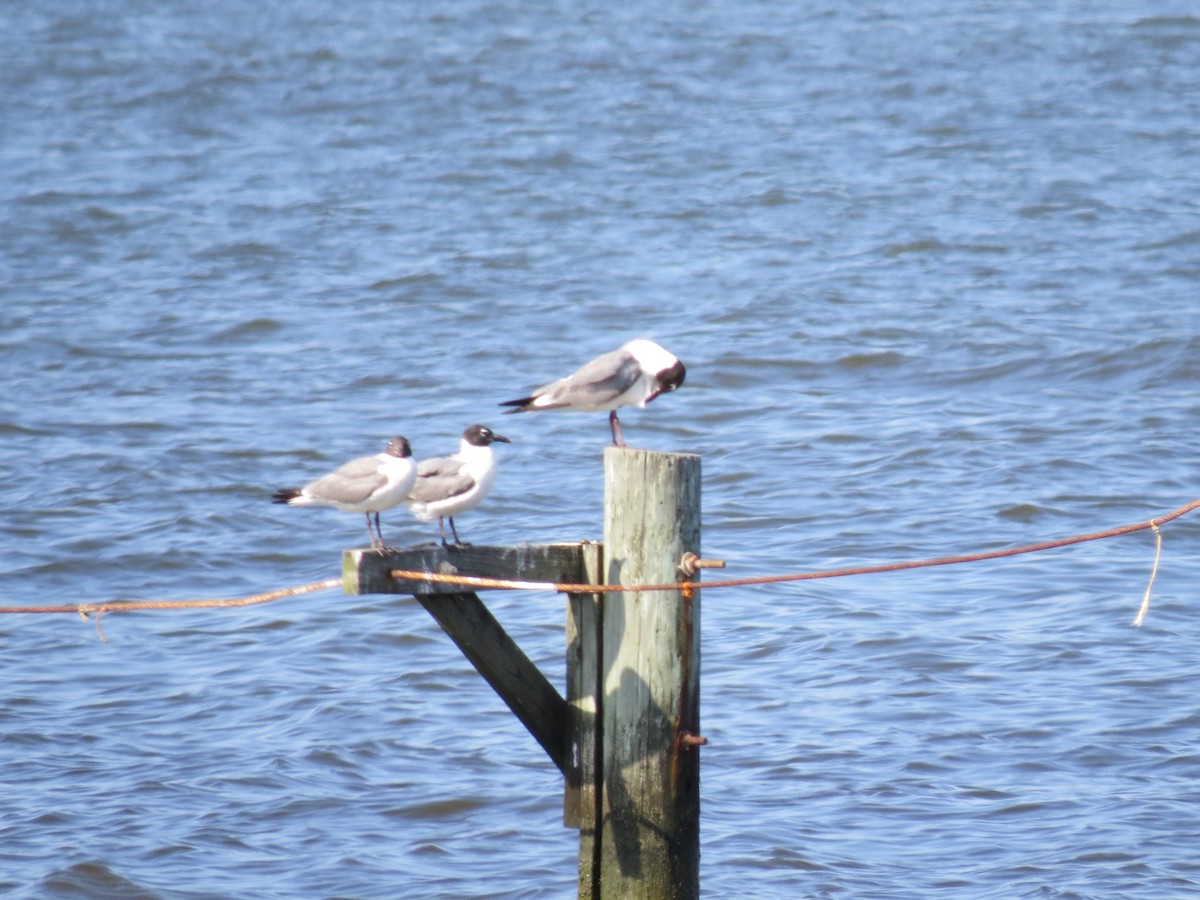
518	405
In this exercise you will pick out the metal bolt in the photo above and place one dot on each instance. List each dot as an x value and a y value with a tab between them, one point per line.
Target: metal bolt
689	741
691	563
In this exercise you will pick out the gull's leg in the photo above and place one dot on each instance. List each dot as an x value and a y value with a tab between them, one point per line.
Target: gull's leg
614	425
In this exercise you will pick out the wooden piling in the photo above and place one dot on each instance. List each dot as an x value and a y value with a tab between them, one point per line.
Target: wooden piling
582	796
649	806
624	735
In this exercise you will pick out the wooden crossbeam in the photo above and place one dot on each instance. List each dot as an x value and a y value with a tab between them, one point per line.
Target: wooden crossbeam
503	665
473	628
369	571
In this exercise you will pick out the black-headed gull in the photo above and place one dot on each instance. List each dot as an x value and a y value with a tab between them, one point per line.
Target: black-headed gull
447	486
632	375
369	485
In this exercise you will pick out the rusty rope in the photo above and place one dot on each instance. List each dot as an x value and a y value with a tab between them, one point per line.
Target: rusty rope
87	609
97	609
568	588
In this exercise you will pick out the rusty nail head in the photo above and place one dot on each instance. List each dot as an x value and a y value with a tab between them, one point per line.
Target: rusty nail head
689	741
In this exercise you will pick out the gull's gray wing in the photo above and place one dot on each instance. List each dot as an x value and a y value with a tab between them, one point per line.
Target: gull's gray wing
352	483
598	382
439	479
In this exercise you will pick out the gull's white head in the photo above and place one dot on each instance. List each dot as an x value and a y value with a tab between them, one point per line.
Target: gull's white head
665	369
650	355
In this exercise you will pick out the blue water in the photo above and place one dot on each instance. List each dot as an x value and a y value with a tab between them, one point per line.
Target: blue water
933	268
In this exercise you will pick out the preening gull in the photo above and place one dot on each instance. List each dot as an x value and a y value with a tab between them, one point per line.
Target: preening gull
632	375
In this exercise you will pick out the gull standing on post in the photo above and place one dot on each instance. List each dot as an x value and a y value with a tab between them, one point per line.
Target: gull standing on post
369	485
631	375
447	486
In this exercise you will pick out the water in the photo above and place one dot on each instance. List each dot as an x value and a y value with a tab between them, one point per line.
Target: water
933	271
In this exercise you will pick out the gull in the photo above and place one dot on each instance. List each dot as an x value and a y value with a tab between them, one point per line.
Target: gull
447	486
369	485
632	375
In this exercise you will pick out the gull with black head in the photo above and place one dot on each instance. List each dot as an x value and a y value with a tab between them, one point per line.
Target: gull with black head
368	485
632	375
447	486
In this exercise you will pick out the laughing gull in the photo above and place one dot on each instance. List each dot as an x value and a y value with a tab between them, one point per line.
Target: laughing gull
631	375
369	484
449	485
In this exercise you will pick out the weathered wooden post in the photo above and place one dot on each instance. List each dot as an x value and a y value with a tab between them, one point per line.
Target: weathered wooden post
625	736
647	838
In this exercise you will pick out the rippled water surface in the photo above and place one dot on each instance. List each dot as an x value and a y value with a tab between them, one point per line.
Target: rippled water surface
933	270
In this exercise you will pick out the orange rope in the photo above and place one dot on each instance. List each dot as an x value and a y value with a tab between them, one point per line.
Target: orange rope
86	609
568	588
